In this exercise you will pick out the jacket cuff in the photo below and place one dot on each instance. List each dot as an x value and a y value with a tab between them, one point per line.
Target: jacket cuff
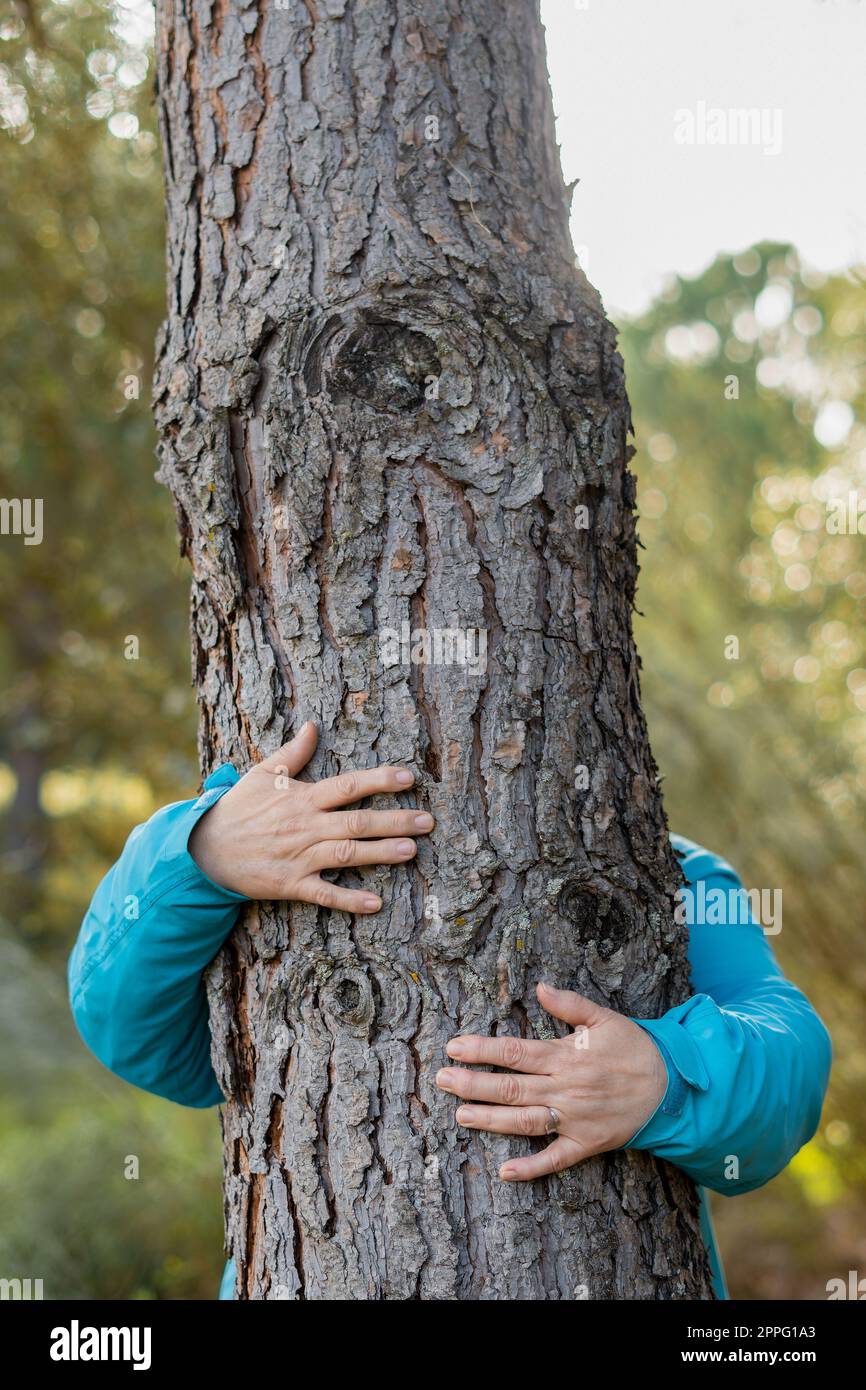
685	1069
175	848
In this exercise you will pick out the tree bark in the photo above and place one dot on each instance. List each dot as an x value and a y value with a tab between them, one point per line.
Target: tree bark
384	395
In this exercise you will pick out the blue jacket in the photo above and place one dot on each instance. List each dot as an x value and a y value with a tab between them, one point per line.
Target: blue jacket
747	1057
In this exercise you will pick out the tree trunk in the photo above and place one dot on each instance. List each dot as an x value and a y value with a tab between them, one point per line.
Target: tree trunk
389	404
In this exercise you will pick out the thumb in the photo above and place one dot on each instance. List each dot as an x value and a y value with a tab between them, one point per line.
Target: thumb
294	755
570	1006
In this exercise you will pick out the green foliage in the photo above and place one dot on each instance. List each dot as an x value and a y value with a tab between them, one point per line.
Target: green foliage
81	285
73	1219
77	1213
90	741
747	387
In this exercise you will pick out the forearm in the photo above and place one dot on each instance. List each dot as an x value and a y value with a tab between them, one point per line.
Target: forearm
746	1085
158	919
748	1058
135	974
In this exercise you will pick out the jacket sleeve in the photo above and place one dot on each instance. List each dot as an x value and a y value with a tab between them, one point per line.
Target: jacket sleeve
135	973
748	1058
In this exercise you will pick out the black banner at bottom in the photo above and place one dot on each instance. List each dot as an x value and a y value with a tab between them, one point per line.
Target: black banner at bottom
214	1338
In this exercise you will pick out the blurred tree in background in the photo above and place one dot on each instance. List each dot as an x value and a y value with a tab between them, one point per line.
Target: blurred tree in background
95	731
747	389
87	727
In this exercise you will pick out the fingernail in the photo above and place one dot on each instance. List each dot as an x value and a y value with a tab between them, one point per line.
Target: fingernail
455	1048
424	822
445	1079
464	1115
405	846
506	1172
404	778
372	904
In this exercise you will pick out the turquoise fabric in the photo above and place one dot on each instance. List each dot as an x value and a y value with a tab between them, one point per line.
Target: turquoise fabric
747	1057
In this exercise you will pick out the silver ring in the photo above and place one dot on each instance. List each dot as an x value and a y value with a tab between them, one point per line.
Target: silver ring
553	1122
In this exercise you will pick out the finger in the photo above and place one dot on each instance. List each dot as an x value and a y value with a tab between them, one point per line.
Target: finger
571	1007
561	1154
343	854
521	1054
354	786
293	757
361	825
505	1119
487	1085
317	890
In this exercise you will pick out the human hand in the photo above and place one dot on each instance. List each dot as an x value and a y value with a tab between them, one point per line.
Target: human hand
603	1082
269	839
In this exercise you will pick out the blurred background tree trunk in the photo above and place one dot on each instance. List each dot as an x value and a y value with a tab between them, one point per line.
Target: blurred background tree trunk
388	402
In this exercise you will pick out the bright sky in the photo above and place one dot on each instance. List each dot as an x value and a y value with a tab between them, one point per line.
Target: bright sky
647	204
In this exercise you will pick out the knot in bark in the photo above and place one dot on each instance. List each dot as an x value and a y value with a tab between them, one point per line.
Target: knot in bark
385	364
348	999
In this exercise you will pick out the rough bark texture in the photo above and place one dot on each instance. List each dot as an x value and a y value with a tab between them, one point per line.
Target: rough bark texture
384	390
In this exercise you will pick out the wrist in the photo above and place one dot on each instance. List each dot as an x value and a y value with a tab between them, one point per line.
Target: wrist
655	1076
203	848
